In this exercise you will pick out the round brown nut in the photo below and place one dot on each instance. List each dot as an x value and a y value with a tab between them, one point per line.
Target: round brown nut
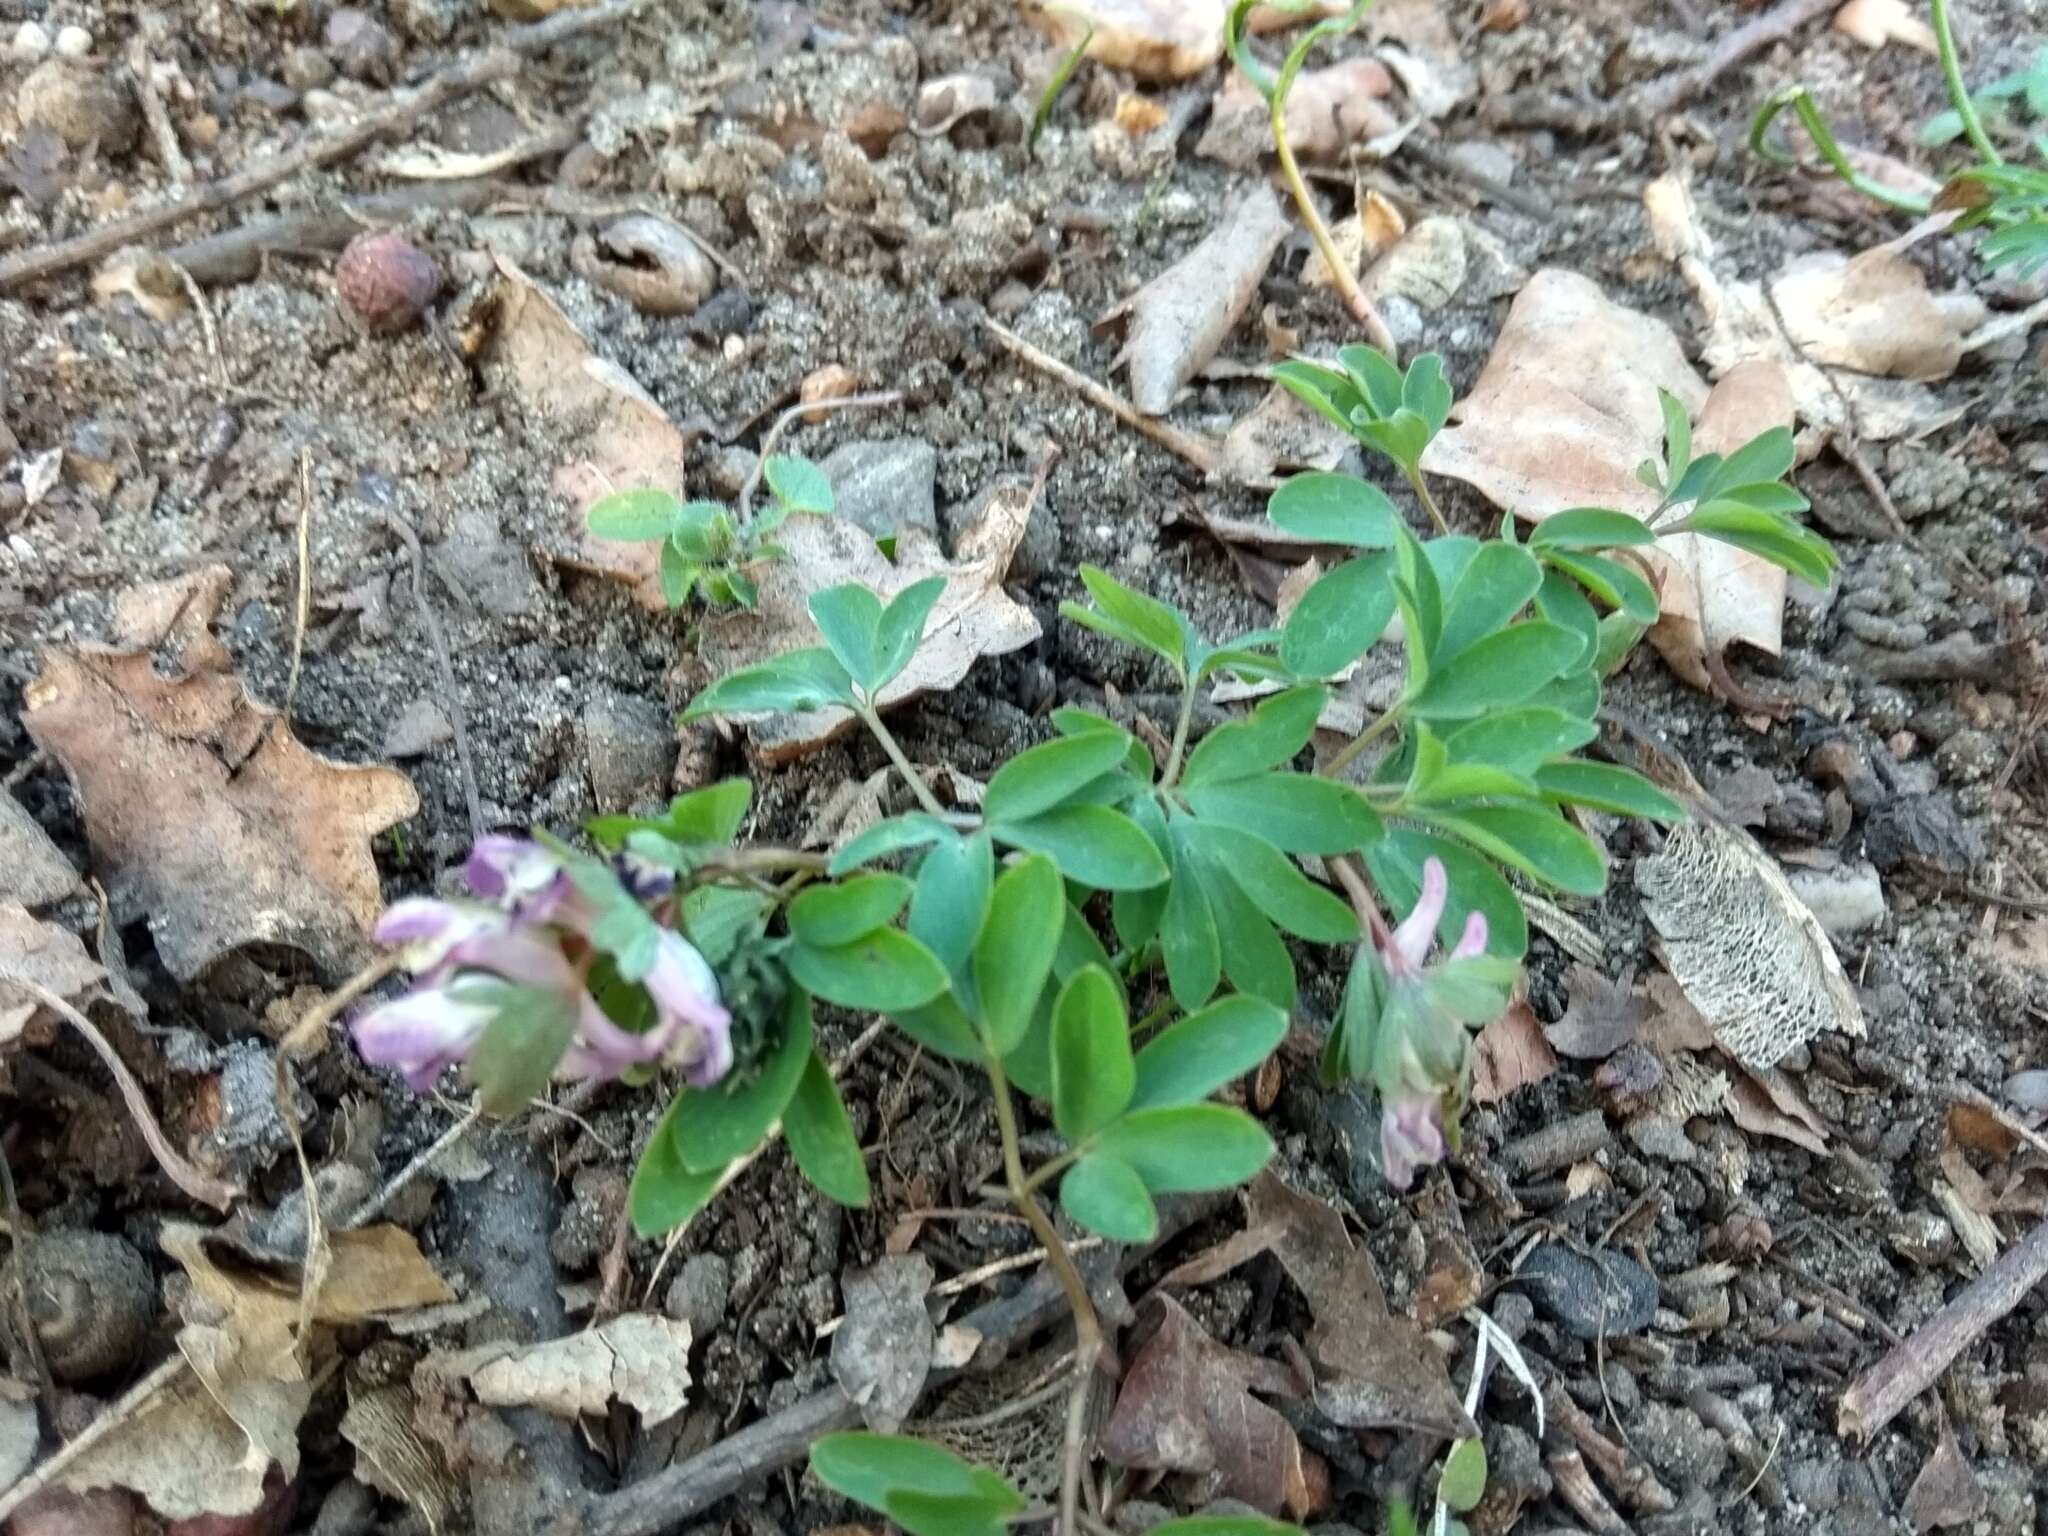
385	281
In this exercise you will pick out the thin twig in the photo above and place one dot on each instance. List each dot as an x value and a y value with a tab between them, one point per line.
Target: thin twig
163	134
401	112
1660	98
1914	1363
374	1206
24	1242
303	609
208	331
201	1186
451	705
1197	451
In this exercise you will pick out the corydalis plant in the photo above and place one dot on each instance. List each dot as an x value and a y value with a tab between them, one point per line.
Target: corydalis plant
2008	200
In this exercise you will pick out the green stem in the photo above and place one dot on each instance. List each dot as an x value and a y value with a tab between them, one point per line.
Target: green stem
1355	300
1180	737
1959	93
1087	1330
1344	759
1421	488
1800	100
911	776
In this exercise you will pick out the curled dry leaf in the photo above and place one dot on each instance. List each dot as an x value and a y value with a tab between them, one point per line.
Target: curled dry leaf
1510	1053
1873	23
1179	319
1947	1491
974	617
641	1360
1748	953
1564	412
1600	1016
1186	1405
1376	1370
883	1351
207	816
177	1447
612	433
943	102
395	1458
51	957
1841	305
1279	436
1328	111
1766	1102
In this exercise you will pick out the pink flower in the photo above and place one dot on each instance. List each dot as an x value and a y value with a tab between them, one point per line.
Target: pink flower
1408	946
457	949
1411	1136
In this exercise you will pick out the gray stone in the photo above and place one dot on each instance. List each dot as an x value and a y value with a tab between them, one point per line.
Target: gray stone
32	871
428	21
1847	899
698	1295
885	485
419	728
631	749
1606	1295
1924	832
306	69
79	104
1677	1442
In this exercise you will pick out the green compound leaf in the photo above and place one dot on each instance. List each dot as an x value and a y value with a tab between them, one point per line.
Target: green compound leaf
1014	954
1496	584
1275	887
1188	1148
1132	617
529	1030
1274	735
1105	1195
871	1468
1186	1062
886	971
798	484
1091	1055
1607	788
829	915
1334	509
1498	672
849	616
1591	528
1538	842
633	516
1339	617
1093	844
1045	776
1295	812
664	1194
1395	863
790	684
717	1124
821	1139
951	900
901	628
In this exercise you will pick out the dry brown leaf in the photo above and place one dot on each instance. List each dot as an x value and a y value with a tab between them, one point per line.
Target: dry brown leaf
372	1272
640	1359
1328	111
394	1457
617	436
1946	1492
207	816
1360	238
974	617
1510	1053
1378	1370
1981	1131
32	871
1768	1103
1278	437
1749	954
1870	313
1873	23
1186	1406
1564	412
1741	325
1180	317
1600	1016
1426	266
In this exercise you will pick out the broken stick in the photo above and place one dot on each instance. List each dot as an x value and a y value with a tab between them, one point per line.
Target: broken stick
403	110
1916	1361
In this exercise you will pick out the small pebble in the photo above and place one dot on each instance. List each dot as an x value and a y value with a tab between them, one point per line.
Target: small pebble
30	42
1608	1294
73	42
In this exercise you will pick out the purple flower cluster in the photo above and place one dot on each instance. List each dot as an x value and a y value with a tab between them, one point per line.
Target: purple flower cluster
1412	1114
531	927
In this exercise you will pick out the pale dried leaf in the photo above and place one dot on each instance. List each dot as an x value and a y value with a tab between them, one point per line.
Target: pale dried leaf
1510	1053
1359	238
1429	62
883	1349
1185	1406
640	1359
1426	266
1871	314
176	614
1741	327
206	815
943	102
1181	317
393	1457
1946	1492
614	436
19	1433
1154	40
1564	413
1600	1016
1749	954
52	957
1873	23
973	618
180	1451
1278	437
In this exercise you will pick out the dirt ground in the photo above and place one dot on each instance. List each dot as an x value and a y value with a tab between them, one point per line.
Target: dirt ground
1912	740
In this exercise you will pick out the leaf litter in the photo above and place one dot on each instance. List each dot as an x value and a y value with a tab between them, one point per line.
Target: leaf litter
207	817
